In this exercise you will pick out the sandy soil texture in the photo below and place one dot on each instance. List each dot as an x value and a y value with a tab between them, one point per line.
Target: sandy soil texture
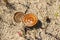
47	27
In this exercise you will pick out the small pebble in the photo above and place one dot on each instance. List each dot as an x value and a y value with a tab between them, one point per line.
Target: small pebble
19	33
48	20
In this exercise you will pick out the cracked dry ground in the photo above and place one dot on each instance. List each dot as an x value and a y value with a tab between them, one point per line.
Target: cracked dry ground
47	28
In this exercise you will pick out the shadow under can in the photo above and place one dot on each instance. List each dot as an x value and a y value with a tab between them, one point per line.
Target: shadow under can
36	26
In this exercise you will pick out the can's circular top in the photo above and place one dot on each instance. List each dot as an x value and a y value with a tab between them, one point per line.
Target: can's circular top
30	19
18	16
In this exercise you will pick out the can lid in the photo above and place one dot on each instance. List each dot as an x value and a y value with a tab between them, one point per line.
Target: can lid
30	19
18	16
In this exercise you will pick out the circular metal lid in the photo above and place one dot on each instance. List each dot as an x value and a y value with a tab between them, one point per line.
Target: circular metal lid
30	19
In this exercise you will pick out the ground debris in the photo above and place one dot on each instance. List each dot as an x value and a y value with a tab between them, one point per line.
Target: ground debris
10	6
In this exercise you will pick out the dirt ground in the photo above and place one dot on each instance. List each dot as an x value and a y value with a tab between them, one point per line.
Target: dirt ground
47	28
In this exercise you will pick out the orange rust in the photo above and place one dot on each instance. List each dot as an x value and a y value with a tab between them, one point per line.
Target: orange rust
30	19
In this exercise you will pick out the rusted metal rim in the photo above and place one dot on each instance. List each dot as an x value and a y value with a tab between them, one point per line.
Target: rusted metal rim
30	19
18	16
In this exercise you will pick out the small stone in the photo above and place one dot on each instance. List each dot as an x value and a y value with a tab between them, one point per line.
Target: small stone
48	20
19	33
